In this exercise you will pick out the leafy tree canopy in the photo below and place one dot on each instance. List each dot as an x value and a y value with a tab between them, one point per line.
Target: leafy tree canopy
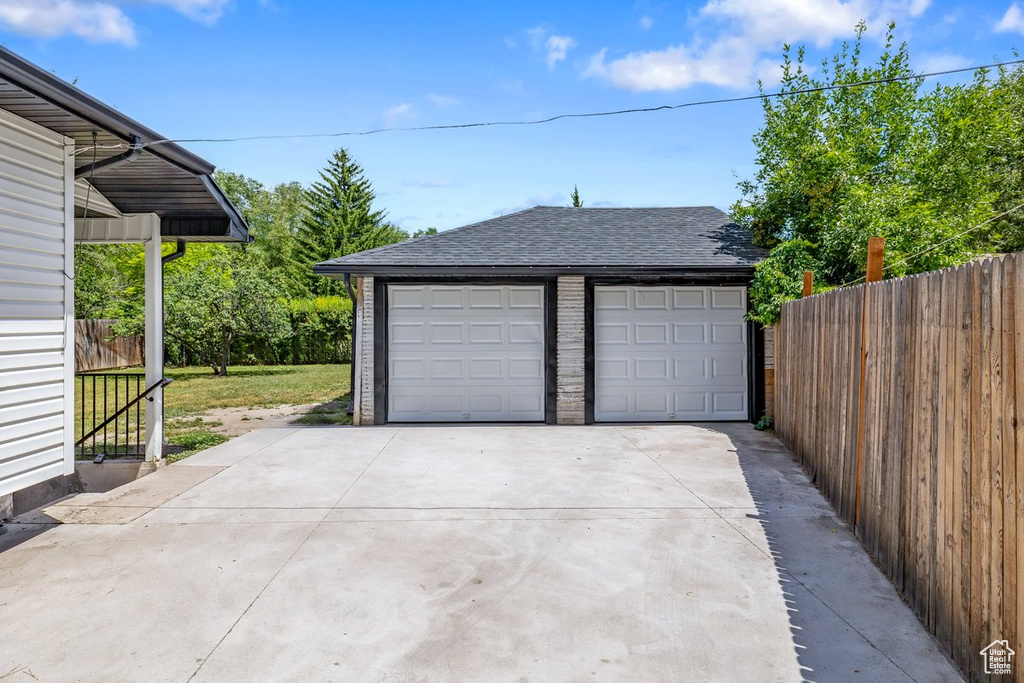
921	168
213	297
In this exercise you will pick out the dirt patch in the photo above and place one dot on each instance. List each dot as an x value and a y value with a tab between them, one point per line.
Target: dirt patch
238	421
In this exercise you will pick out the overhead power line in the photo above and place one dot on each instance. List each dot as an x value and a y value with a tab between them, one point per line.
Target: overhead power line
935	246
594	114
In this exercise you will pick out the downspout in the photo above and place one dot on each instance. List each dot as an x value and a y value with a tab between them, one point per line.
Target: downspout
176	254
352	351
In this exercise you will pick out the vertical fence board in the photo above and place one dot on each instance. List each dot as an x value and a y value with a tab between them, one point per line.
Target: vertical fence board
939	434
1008	426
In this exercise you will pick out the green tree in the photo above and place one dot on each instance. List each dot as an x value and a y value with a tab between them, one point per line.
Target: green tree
213	297
274	216
576	201
835	167
102	279
340	219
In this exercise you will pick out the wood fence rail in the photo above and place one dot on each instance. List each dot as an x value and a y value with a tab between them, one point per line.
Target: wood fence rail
930	442
96	349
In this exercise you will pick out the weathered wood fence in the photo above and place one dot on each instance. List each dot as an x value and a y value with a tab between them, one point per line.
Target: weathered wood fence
922	429
96	349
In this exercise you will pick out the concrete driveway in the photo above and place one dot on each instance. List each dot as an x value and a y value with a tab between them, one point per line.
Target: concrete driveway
647	553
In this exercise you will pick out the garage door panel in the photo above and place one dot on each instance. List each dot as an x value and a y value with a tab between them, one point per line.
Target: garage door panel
646	299
666	353
446	333
407	333
485	333
526	297
730	298
729	367
407	369
485	297
611	298
724	402
407	298
727	333
690	369
685	404
612	333
652	369
446	297
689	333
525	333
688	298
525	368
485	368
651	333
481	357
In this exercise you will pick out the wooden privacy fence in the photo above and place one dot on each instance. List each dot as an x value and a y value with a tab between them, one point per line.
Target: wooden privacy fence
929	444
96	348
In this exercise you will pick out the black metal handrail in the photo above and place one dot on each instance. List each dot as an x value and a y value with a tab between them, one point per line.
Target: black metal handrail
122	404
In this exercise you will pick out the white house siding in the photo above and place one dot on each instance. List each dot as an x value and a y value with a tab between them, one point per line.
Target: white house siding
36	304
571	351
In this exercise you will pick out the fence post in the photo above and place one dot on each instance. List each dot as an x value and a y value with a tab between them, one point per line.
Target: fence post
808	283
876	256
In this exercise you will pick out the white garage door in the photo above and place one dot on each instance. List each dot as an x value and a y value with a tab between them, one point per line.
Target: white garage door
670	353
465	353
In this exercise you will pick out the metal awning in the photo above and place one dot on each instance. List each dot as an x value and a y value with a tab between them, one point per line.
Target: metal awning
164	178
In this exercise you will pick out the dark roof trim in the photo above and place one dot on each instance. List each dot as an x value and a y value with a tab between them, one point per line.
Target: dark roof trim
338	271
238	230
47	86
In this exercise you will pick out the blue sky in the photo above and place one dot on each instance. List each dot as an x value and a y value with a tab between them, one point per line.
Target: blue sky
226	68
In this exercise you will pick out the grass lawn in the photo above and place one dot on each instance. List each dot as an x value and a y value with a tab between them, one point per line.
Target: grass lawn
196	390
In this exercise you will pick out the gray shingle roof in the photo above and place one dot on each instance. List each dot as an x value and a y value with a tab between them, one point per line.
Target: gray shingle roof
567	239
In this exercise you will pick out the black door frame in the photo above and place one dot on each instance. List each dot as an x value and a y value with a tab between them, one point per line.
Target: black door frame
380	335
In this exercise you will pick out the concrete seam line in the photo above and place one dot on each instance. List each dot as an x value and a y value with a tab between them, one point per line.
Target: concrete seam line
284	564
258	595
663	469
291	432
360	475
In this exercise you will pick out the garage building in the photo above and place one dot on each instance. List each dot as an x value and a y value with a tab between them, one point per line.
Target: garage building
559	315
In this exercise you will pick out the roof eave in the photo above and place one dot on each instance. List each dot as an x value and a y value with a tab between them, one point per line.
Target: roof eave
238	230
49	87
340	270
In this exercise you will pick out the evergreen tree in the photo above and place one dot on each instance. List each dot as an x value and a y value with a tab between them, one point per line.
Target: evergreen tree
339	220
576	201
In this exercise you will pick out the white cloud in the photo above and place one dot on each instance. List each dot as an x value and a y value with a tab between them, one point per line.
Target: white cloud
542	199
733	39
442	101
645	22
1012	21
429	183
557	48
391	115
942	61
96	21
542	40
